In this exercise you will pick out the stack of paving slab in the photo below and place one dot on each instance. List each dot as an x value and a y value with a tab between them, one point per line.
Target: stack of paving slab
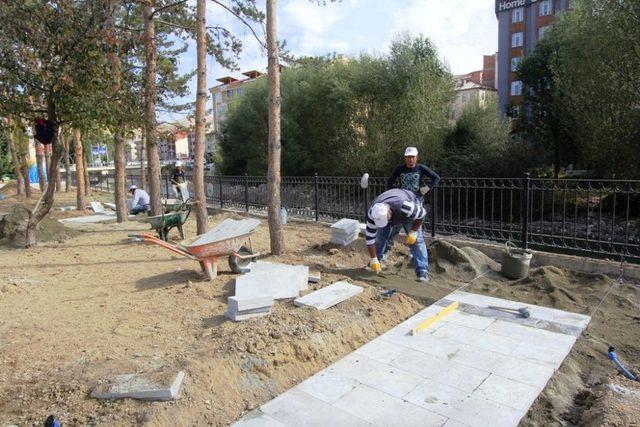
345	231
265	282
248	307
475	367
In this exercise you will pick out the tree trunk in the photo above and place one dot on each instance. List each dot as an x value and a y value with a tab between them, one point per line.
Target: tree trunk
67	163
119	159
85	164
79	170
273	174
23	158
200	204
40	164
46	200
47	157
153	160
143	169
14	156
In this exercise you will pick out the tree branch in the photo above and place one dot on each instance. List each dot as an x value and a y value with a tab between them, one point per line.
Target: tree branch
168	6
231	11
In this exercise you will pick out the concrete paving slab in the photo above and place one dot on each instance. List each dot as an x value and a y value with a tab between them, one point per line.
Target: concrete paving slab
444	371
383	377
247	314
329	296
345	225
257	418
381	409
111	206
97	207
154	386
91	219
297	408
227	229
315	276
467	370
508	392
328	386
298	274
265	283
238	304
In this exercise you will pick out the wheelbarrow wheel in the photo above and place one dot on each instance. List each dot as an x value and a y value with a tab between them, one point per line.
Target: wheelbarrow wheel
240	265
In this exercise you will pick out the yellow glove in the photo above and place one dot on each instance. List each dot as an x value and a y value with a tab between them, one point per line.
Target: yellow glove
412	237
375	266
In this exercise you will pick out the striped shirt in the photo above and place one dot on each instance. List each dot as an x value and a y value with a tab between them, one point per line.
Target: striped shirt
403	204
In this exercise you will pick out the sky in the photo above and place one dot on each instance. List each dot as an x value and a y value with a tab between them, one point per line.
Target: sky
462	30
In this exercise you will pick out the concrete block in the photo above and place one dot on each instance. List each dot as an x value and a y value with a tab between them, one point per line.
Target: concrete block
508	392
157	386
227	229
345	225
238	304
257	418
97	207
328	386
388	379
91	219
329	296
297	408
440	370
315	276
381	409
265	283
248	314
111	206
298	274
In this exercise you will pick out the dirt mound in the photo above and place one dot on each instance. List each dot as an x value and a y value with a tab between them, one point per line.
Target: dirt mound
13	228
9	189
460	264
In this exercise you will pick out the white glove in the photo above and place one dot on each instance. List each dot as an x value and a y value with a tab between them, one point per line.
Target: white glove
375	266
424	190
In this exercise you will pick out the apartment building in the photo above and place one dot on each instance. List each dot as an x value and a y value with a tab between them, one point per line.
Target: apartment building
521	23
486	77
224	93
469	93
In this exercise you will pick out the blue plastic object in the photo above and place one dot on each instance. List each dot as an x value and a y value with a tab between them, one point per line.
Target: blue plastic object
614	357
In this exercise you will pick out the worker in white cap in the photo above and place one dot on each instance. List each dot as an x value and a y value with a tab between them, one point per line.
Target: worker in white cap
397	208
140	200
179	183
411	175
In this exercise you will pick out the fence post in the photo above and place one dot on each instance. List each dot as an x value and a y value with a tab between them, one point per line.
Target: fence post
107	182
526	182
246	192
316	186
220	186
434	200
166	185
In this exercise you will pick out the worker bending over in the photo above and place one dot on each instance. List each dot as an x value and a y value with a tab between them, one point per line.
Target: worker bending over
395	208
139	200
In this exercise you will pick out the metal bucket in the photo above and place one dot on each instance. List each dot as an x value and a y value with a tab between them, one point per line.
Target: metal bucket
515	262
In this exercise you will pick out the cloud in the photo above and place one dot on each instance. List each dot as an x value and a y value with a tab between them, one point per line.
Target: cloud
463	30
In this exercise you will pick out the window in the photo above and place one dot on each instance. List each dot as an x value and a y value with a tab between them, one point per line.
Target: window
238	91
229	93
545	8
516	88
517	15
218	97
517	39
542	30
515	62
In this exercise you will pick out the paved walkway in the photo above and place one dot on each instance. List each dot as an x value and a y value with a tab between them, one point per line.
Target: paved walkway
477	366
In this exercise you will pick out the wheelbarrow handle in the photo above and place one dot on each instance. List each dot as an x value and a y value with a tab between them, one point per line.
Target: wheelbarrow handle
174	248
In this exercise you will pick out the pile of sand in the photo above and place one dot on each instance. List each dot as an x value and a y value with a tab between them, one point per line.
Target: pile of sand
459	264
13	228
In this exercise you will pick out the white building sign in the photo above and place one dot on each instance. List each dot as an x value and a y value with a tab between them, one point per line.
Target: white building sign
503	5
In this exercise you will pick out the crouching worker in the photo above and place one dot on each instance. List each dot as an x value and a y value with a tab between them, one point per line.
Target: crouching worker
391	210
139	200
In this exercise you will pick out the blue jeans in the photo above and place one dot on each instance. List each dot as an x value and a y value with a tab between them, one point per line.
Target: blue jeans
138	209
385	236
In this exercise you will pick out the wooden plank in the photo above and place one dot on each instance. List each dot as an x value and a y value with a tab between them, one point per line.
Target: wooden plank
435	318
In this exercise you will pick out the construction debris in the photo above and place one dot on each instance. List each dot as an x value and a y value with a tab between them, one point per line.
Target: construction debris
314	277
97	207
345	231
329	296
242	308
140	386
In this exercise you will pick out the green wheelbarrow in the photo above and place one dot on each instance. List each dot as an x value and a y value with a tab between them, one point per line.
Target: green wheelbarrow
165	222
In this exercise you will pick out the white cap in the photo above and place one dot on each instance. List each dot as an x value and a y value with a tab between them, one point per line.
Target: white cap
133	187
411	151
178	163
379	213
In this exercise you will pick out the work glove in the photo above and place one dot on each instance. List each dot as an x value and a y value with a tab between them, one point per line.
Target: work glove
424	190
412	237
375	265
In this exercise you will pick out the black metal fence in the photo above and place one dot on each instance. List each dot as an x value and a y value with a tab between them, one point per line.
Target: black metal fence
591	217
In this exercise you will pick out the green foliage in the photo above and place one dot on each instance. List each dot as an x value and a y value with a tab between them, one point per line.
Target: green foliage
5	158
346	116
586	75
480	144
